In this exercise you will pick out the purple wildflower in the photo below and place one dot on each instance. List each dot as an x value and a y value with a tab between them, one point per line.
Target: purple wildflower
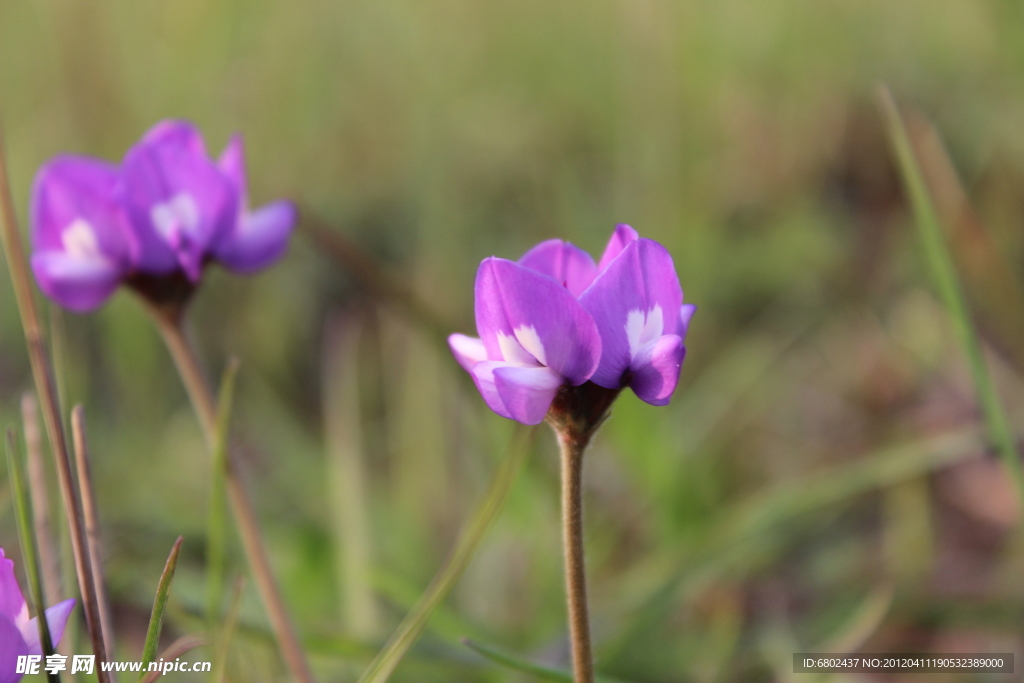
632	296
535	337
19	635
166	212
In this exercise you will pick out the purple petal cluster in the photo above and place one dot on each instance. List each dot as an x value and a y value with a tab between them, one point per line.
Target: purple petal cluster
557	318
19	635
165	212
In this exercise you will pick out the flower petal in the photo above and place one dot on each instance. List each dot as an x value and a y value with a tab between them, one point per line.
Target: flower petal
179	202
622	237
468	351
542	316
232	164
259	238
686	312
565	262
483	377
12	646
12	602
634	301
655	370
77	284
75	208
527	392
56	619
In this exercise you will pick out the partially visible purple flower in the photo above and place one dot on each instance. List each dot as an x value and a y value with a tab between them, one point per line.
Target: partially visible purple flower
19	635
534	338
164	214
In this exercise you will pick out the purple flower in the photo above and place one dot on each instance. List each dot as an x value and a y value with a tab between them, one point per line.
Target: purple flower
534	338
19	635
631	296
167	211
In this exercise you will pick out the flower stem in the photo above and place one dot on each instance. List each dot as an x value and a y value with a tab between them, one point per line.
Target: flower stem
572	447
170	325
92	525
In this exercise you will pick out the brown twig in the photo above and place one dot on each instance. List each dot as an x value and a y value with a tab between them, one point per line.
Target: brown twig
43	376
373	276
170	325
92	522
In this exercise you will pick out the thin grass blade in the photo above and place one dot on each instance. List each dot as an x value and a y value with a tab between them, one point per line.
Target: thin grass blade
864	621
509	660
156	619
408	631
38	485
220	662
992	284
176	649
217	521
943	270
30	557
347	476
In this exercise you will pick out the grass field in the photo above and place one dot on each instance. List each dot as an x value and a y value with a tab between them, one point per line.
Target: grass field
821	481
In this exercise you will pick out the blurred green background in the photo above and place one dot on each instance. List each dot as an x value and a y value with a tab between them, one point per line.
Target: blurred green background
818	482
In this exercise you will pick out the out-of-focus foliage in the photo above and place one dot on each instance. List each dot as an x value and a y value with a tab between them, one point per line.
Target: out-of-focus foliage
767	510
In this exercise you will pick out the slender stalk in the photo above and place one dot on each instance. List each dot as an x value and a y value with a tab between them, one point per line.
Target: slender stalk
48	565
176	649
92	523
947	280
403	638
347	476
43	376
206	410
22	511
220	662
373	275
572	447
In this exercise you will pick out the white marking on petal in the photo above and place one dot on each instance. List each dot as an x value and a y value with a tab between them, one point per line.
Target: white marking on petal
179	214
523	348
79	240
530	340
642	328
